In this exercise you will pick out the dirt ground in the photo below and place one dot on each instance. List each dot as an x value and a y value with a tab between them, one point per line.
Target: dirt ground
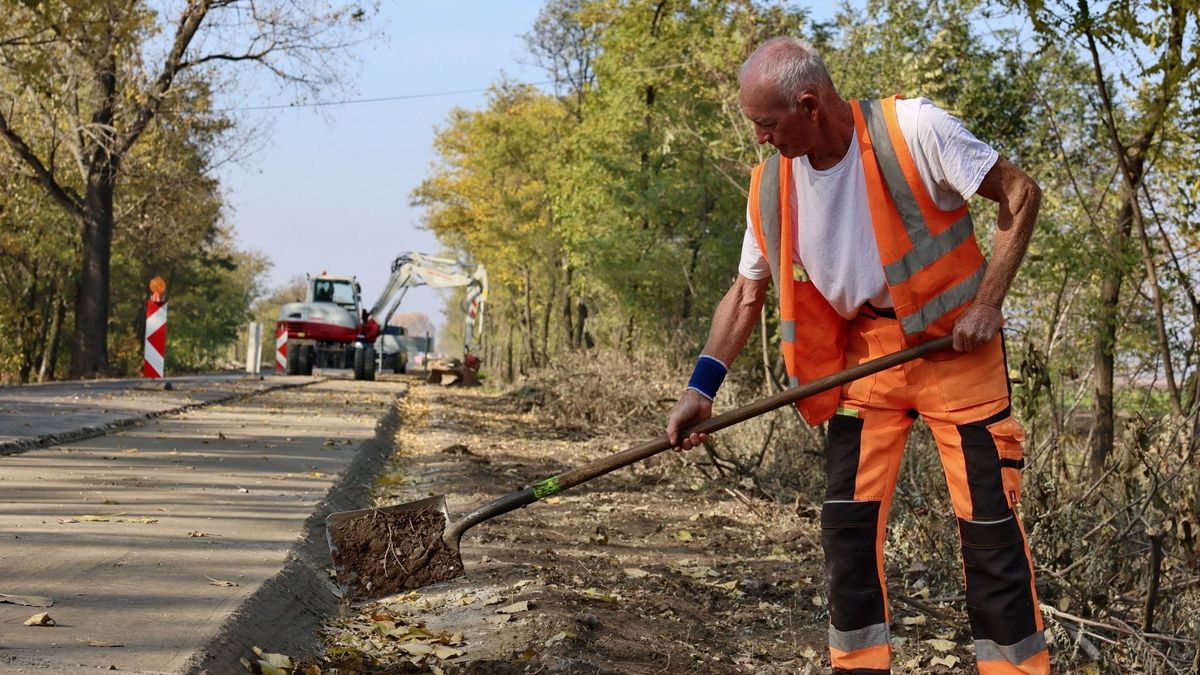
648	570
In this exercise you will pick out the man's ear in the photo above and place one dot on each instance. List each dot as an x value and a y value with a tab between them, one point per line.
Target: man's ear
809	103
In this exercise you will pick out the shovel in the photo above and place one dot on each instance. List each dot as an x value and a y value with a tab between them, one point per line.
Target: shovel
419	557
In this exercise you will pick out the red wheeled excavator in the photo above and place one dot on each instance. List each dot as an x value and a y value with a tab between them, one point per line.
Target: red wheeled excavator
332	328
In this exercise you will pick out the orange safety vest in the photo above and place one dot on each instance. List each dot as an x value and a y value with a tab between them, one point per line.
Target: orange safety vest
930	258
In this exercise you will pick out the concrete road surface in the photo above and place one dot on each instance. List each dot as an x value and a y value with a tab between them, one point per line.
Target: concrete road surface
35	415
162	546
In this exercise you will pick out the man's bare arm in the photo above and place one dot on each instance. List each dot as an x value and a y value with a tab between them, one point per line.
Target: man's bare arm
732	324
1019	198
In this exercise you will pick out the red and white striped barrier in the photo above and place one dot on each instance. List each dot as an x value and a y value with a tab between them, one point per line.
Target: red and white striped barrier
156	337
280	347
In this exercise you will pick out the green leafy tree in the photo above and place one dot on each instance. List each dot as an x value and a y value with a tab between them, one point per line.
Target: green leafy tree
104	71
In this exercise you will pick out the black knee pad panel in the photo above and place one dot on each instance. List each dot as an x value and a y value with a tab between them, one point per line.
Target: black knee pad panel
999	596
848	535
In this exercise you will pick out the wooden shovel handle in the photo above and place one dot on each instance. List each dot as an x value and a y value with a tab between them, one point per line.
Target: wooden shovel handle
727	419
615	461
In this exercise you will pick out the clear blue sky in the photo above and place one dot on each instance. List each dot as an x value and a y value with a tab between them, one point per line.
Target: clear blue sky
330	190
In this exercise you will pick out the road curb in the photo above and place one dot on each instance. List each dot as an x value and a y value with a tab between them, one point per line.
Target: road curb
26	444
285	615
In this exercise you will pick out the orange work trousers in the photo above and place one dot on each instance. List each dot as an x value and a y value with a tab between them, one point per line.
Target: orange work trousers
964	398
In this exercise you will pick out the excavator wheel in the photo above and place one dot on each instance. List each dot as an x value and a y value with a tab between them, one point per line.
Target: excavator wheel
364	363
304	360
293	360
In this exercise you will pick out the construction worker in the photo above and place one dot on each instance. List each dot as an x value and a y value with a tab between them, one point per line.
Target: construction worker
861	222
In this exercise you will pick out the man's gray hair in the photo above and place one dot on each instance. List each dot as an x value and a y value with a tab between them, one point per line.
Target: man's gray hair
789	65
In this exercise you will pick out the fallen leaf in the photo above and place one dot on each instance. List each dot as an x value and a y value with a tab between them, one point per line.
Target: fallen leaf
948	660
941	645
277	660
466	600
918	620
42	619
94	519
218	582
636	573
728	585
27	600
498	619
198	533
443	652
558	637
683	535
522	606
596	594
416	648
552	500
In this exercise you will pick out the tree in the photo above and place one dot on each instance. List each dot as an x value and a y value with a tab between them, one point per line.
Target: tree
104	71
1155	45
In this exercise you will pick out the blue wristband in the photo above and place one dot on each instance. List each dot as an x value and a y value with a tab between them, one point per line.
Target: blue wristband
708	376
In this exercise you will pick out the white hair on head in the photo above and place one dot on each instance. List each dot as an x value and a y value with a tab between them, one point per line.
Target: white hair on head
788	65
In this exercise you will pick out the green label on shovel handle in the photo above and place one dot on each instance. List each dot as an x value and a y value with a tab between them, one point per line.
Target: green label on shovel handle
546	488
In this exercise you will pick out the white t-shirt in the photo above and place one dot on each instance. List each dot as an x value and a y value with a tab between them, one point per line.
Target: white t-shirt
835	240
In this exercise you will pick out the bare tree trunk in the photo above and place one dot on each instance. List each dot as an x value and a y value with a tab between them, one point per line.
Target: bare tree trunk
90	355
1104	345
508	360
549	311
28	340
50	354
568	323
1154	572
580	338
530	335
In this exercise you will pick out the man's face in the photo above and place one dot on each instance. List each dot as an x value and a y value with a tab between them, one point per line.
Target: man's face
792	131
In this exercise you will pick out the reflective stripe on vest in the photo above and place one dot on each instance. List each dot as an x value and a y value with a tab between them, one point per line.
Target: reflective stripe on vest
927	247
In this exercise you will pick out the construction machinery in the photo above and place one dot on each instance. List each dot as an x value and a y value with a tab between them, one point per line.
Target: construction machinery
333	329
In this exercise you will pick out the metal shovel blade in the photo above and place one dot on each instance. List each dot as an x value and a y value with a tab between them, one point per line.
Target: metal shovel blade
389	550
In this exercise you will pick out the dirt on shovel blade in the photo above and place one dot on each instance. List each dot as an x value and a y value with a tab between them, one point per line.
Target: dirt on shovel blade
381	553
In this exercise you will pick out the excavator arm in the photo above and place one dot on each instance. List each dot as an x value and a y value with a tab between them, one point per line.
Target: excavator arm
418	269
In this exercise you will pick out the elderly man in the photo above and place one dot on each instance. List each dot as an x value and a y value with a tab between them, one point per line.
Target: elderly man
861	222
